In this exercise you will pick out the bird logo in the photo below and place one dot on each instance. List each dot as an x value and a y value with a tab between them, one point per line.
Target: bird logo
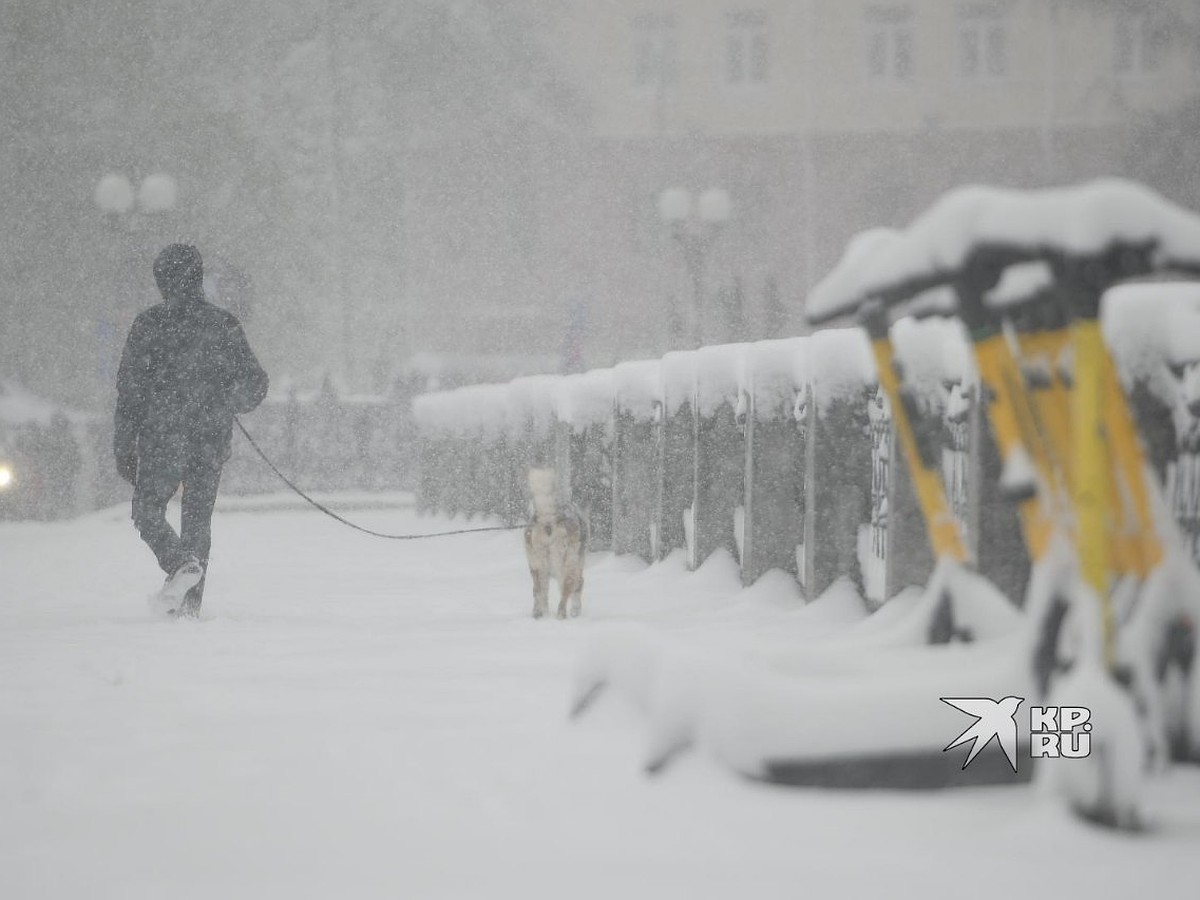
994	720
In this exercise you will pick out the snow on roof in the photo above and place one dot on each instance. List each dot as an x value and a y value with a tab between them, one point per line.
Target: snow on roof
1079	220
585	399
720	376
638	386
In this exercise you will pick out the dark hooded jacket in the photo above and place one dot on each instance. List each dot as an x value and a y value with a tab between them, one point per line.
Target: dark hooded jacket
185	371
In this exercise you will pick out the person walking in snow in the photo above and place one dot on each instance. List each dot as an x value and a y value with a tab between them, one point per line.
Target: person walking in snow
186	370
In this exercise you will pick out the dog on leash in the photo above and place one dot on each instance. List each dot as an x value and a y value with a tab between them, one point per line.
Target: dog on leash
555	545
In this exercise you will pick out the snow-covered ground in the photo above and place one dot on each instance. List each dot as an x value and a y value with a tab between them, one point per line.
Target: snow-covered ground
360	718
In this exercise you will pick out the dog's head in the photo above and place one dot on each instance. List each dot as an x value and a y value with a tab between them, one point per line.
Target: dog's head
541	486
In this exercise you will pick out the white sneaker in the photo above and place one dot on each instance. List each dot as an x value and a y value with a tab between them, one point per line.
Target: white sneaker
168	600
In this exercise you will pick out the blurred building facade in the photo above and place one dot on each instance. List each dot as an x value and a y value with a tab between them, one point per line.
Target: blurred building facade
823	118
484	176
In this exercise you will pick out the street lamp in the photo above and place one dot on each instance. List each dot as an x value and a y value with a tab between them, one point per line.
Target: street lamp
694	226
116	197
124	208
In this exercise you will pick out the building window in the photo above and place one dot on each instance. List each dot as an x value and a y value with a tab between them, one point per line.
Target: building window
982	41
654	50
889	44
746	55
1138	44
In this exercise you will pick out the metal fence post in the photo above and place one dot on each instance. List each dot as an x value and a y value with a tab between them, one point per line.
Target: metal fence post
775	458
584	408
636	410
678	449
839	464
720	456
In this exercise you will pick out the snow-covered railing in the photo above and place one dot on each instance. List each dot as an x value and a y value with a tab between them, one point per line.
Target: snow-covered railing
784	454
699	452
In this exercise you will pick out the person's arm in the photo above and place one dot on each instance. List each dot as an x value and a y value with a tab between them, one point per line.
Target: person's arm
132	379
250	382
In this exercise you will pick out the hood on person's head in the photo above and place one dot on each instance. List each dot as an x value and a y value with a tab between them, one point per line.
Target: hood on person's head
180	273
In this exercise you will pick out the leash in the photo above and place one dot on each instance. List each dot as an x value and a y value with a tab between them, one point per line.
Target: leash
329	512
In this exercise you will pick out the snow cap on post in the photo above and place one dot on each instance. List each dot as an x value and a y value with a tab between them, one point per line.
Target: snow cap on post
720	377
481	410
585	400
841	364
638	388
432	413
933	352
679	380
531	404
776	370
1151	326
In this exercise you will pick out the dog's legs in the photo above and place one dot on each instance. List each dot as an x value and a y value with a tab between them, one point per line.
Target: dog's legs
567	584
541	593
539	569
572	589
576	606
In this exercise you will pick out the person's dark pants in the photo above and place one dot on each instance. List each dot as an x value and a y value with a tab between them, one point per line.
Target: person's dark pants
159	475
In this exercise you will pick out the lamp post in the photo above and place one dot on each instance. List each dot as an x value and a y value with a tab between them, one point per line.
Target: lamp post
116	198
125	210
694	225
